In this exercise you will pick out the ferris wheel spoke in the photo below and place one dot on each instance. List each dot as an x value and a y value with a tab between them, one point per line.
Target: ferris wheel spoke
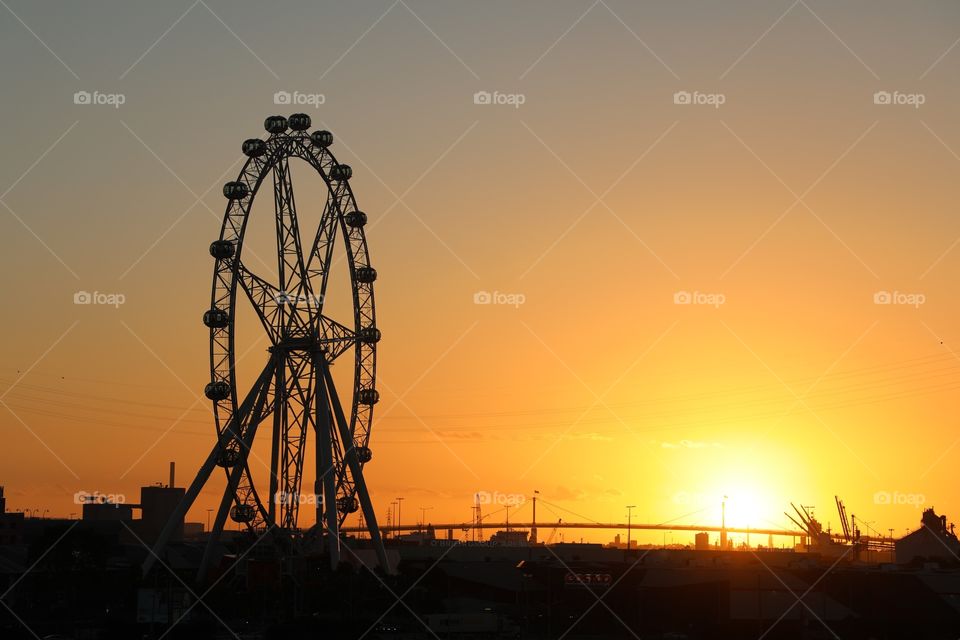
290	263
321	254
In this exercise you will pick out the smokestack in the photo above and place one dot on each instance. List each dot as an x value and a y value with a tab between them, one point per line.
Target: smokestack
173	466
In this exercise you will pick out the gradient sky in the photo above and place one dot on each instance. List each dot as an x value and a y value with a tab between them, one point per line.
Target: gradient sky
598	199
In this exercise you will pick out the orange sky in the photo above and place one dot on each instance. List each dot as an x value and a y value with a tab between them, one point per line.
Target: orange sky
598	199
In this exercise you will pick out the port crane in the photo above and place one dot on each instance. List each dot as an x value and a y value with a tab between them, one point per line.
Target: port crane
850	531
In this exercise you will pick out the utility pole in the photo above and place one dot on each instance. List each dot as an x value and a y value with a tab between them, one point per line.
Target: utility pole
533	529
399	500
392	516
477	519
423	517
630	508
723	523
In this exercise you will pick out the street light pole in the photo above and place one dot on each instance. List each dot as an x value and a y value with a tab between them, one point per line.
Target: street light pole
423	517
533	529
723	523
630	508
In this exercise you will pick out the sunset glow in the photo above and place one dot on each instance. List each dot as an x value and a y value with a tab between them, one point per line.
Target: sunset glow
752	299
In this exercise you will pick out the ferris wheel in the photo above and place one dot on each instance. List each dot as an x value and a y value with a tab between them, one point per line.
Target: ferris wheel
293	396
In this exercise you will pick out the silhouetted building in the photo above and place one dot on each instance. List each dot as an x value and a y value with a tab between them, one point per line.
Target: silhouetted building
11	524
932	541
702	541
424	536
99	511
157	504
99	508
510	538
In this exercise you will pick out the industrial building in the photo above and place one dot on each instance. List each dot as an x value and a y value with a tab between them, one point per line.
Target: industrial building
702	541
157	504
934	541
11	524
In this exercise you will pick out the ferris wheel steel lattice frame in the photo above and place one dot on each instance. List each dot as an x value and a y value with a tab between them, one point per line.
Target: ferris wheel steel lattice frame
294	393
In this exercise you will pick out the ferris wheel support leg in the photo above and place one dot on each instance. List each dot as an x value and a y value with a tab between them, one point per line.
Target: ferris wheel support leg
215	533
234	478
356	471
204	473
185	503
326	478
278	416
